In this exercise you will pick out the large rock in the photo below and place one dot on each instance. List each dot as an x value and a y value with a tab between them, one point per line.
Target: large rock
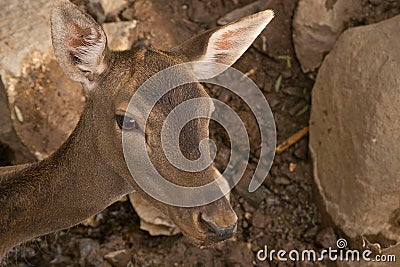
31	31
113	7
120	34
316	26
39	105
119	258
355	131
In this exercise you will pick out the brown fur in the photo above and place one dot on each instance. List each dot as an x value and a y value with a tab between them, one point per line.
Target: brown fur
89	172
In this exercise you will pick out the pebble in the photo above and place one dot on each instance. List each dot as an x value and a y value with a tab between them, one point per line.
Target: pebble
375	2
301	150
243	11
119	258
258	219
282	181
86	245
91	221
61	260
89	252
293	91
311	232
286	74
128	14
297	107
326	238
112	6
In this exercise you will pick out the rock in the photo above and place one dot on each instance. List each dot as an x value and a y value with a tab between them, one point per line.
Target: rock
61	260
298	108
128	14
30	33
151	219
247	10
92	221
34	85
8	138
311	232
105	264
89	252
96	10
293	91
119	258
239	255
282	181
316	26
198	12
375	2
113	7
258	219
242	188
354	131
120	35
301	149
326	238
115	243
86	245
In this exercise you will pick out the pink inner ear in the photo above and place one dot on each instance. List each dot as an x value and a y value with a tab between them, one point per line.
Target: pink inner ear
77	36
228	38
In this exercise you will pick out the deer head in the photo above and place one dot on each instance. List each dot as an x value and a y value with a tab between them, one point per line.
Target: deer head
112	78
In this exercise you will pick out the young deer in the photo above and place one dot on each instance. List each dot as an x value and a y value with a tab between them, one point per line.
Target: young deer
88	172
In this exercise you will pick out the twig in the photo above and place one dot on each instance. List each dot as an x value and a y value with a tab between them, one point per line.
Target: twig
291	140
247	74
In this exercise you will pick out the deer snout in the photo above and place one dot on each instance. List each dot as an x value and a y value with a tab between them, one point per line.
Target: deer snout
220	227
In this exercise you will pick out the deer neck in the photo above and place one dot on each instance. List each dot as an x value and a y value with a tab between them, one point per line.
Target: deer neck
58	192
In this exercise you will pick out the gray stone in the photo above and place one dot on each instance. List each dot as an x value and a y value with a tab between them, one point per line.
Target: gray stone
326	238
119	258
316	26
20	36
113	7
34	84
119	34
89	252
247	10
355	131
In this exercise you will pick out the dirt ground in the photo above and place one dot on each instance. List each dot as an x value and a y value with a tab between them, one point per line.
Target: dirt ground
283	214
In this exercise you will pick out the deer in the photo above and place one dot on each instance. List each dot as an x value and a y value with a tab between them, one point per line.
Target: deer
88	173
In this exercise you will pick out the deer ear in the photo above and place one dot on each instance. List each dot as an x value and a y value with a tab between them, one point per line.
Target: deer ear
223	45
80	44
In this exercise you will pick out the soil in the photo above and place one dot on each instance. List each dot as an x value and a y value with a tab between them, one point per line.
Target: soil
283	214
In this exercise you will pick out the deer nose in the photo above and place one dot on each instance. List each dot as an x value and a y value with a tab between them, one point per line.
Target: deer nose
219	231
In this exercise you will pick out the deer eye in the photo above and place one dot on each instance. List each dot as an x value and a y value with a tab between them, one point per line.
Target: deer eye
126	123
